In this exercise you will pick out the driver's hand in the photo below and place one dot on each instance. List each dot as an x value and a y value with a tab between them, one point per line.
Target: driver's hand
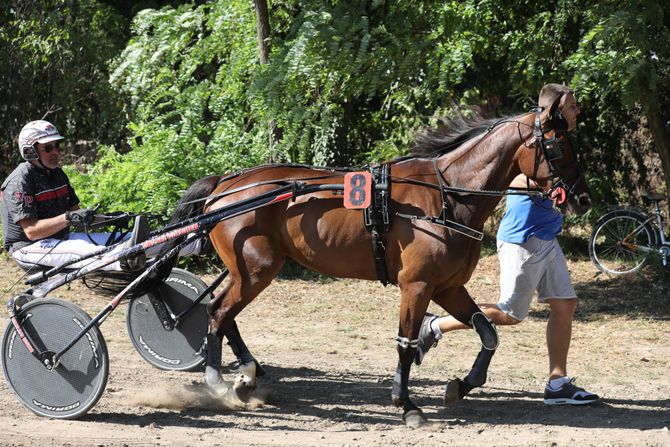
80	218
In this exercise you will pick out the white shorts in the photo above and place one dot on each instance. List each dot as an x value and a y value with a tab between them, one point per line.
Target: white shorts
536	265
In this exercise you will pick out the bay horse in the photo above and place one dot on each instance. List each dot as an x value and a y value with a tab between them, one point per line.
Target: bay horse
458	171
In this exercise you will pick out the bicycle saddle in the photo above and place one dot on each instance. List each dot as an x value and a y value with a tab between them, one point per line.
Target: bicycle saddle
653	196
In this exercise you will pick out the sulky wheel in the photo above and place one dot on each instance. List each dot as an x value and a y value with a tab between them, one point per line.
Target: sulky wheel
75	384
149	319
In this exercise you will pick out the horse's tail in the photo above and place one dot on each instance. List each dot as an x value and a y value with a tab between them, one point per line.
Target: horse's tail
192	202
190	205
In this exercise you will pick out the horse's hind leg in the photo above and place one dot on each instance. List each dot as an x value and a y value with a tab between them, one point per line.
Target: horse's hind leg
223	309
240	349
213	368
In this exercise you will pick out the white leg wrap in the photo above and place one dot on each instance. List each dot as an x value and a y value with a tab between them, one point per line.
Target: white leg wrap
405	342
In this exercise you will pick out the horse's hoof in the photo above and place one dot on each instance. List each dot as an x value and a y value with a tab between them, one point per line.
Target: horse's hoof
247	374
218	389
212	376
243	388
414	418
260	372
453	392
456	390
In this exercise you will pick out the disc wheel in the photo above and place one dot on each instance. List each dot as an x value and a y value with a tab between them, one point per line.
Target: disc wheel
622	242
76	383
181	348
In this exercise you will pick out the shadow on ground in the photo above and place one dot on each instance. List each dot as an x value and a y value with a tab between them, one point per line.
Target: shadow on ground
351	397
641	294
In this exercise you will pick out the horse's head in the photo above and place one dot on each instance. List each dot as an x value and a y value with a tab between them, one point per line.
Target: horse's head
554	163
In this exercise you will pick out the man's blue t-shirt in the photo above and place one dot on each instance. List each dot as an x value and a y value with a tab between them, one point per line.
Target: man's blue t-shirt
525	217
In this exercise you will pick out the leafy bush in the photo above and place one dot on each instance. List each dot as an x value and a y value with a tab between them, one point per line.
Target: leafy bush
190	115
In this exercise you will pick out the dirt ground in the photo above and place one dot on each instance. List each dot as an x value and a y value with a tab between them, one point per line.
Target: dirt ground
329	352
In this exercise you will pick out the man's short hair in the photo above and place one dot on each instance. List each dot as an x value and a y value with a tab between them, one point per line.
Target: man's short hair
550	92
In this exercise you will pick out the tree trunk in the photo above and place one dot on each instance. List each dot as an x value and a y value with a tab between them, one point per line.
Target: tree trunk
263	31
661	140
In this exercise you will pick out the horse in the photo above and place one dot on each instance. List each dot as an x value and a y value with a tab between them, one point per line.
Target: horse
439	197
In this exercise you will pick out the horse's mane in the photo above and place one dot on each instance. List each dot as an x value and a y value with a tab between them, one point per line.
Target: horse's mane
450	133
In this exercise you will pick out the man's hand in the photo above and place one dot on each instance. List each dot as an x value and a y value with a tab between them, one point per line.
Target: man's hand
80	218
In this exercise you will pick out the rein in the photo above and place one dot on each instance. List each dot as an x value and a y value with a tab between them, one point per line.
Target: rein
213	199
442	185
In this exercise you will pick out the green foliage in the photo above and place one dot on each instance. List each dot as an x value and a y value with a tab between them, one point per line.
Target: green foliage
54	56
620	52
189	106
347	82
620	70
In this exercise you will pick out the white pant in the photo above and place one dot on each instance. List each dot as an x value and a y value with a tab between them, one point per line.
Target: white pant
536	265
54	252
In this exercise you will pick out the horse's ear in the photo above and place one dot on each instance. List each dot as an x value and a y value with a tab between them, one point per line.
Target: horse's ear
553	110
555	118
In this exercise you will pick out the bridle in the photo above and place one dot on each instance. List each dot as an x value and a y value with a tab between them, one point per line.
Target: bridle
553	149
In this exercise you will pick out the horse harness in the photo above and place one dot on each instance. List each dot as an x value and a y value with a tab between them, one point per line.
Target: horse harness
377	220
376	217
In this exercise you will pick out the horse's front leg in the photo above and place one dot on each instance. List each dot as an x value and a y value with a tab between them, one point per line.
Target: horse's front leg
457	389
461	306
413	305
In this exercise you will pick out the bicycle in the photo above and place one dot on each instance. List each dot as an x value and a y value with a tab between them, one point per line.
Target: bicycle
625	239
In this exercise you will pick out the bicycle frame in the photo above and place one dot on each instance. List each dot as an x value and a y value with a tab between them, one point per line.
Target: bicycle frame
656	221
660	224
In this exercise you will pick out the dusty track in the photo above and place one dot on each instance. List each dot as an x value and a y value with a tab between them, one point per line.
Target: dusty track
329	352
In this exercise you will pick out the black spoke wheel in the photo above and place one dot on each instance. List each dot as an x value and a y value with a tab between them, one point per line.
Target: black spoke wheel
622	242
178	348
75	384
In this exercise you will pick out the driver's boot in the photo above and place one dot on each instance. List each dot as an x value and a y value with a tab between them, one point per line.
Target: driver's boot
140	234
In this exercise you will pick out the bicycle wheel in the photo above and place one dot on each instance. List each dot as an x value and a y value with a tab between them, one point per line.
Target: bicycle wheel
183	347
74	386
622	242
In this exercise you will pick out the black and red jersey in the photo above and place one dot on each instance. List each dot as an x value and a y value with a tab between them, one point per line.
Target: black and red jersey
32	192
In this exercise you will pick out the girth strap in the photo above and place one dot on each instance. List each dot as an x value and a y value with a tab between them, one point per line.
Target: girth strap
376	218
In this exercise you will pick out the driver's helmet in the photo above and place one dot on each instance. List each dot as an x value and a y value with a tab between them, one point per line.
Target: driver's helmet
38	131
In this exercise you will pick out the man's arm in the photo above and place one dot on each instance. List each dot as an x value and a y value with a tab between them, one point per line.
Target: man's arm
521	181
36	229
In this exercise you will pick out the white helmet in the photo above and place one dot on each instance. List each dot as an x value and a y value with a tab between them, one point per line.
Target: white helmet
39	131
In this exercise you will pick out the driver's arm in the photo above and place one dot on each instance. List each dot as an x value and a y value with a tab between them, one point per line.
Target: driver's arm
37	229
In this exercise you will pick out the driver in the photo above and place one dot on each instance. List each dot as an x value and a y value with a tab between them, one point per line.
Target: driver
39	206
